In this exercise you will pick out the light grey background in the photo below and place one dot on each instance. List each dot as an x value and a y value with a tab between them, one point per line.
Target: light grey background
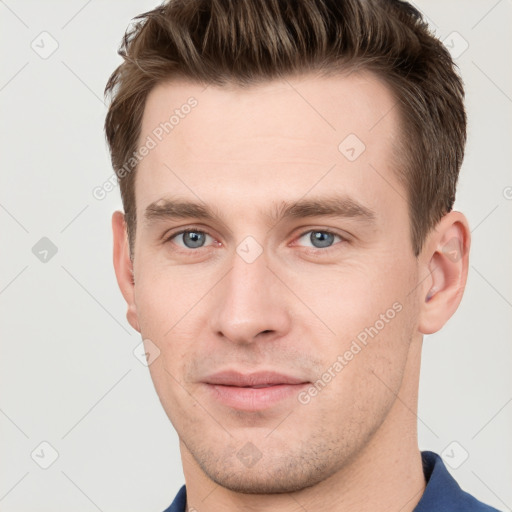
68	374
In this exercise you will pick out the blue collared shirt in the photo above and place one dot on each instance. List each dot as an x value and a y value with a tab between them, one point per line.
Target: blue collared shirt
442	493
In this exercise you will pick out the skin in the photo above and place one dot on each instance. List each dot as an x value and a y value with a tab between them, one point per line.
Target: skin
295	308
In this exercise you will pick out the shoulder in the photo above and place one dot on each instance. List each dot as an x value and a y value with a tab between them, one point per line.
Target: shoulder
179	503
443	493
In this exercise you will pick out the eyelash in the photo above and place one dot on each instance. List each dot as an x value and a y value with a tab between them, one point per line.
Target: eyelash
170	237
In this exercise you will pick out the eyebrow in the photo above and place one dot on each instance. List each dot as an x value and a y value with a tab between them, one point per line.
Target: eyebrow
331	206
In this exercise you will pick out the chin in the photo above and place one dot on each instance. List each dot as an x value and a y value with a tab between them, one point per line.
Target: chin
249	483
272	477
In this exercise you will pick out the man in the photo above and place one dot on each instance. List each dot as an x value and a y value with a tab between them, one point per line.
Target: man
288	174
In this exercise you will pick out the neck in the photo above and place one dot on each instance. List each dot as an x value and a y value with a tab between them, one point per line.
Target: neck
387	475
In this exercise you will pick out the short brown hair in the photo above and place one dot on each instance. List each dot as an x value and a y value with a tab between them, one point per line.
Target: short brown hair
249	41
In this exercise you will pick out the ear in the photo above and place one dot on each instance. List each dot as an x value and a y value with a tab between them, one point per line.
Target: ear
445	257
123	266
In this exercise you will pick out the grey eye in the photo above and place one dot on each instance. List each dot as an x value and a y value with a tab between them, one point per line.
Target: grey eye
191	239
319	239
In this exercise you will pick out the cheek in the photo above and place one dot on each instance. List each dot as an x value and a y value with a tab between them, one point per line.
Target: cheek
363	371
167	303
347	300
365	318
164	296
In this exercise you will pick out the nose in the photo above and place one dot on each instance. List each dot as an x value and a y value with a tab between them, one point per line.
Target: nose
250	304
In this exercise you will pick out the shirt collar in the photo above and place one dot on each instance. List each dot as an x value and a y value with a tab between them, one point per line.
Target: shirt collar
442	493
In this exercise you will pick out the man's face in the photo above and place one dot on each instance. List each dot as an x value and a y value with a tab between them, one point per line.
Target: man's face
268	282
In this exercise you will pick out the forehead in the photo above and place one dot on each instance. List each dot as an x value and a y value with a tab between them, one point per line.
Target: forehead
272	140
321	109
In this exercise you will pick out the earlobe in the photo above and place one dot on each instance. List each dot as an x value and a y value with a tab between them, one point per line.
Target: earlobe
123	266
446	258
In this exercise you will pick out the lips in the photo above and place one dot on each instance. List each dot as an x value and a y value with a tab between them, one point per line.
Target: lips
256	380
252	392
